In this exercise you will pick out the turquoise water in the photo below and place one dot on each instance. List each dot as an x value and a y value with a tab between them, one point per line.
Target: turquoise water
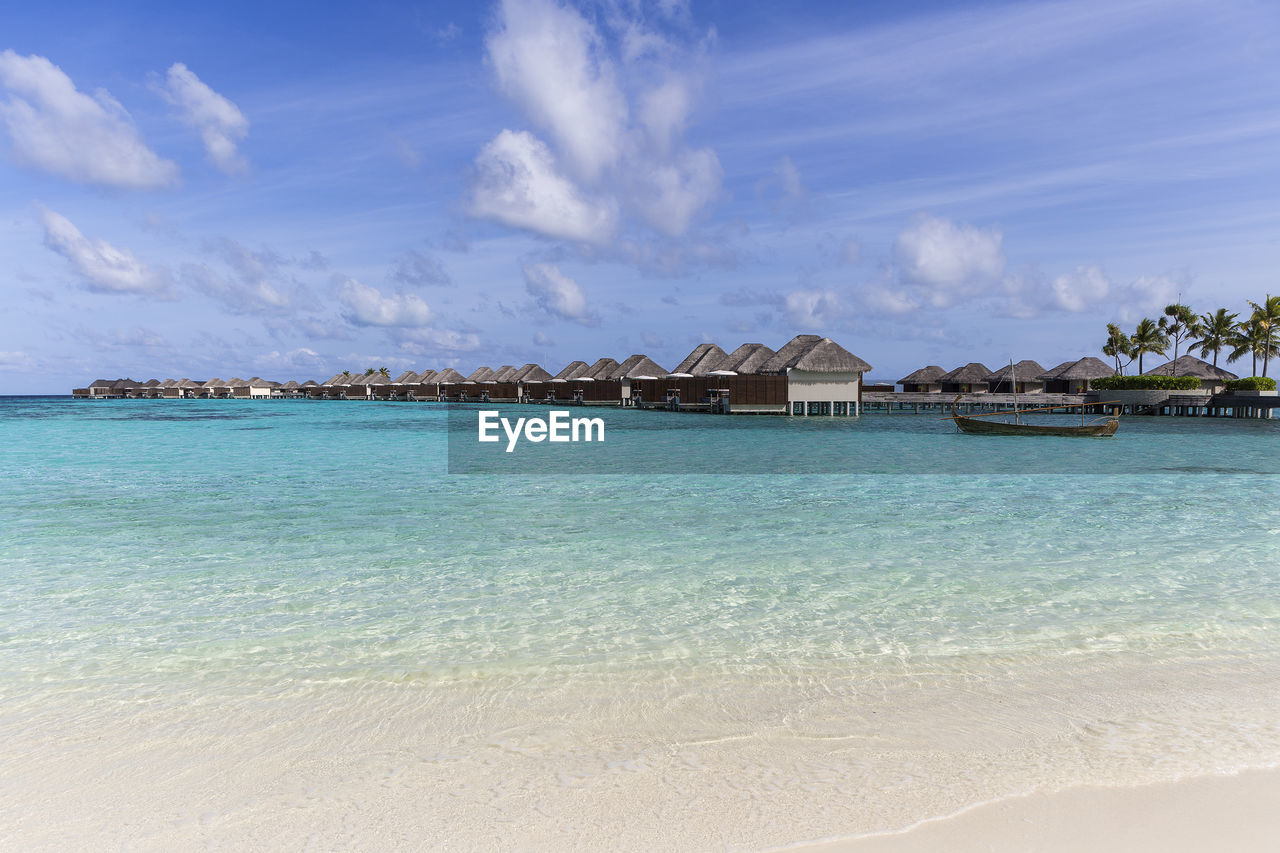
171	552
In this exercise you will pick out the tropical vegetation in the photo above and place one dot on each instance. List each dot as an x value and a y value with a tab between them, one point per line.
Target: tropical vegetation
1146	383
1256	336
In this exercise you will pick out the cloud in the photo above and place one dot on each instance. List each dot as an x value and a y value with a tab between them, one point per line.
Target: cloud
1081	289
552	62
257	281
888	300
428	341
541	339
948	260
814	309
103	268
301	358
56	128
220	122
614	106
416	269
557	294
517	184
367	306
1146	295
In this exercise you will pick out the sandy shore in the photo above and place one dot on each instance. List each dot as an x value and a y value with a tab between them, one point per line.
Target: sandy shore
1220	813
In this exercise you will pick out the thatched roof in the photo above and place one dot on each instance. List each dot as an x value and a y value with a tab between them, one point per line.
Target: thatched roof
214	383
531	373
747	358
481	374
126	384
1022	371
406	378
811	352
426	377
378	379
310	383
601	369
704	359
448	375
258	382
573	370
504	373
975	372
334	379
1087	368
924	376
102	383
151	383
638	364
291	385
168	383
1189	365
190	383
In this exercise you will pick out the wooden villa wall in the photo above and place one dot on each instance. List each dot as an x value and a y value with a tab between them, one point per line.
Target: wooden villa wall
743	390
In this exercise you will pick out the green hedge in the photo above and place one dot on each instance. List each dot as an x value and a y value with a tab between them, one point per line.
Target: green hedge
1252	383
1145	383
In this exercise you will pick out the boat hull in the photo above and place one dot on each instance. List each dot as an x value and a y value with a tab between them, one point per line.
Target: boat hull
981	426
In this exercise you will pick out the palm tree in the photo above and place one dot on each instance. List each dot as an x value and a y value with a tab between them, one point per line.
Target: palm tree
1148	337
1250	339
386	374
347	374
1117	346
369	371
1267	316
1179	321
1216	331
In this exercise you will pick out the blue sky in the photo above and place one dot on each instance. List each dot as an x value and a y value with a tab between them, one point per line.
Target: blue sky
289	190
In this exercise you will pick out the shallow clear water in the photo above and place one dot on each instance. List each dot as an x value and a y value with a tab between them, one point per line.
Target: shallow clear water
311	565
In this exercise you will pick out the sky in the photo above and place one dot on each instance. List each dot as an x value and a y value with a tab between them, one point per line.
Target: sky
289	190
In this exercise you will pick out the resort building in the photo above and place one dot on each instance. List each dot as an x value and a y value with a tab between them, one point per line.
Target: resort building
1020	378
704	359
746	359
1073	377
926	380
970	378
1212	379
823	378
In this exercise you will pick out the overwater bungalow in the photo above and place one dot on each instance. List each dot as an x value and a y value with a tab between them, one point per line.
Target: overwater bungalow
1073	377
214	388
1025	374
926	380
703	360
572	370
190	388
504	373
1212	379
600	369
823	378
481	374
638	366
746	359
531	373
970	378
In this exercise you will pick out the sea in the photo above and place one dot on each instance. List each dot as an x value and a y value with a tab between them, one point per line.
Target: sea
296	624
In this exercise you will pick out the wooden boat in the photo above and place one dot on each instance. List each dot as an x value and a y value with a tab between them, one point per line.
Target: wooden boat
978	425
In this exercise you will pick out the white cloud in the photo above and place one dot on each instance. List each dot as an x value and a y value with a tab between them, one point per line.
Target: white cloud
257	281
889	300
103	268
1146	295
670	194
367	306
301	358
428	341
557	294
517	184
548	58
220	122
542	339
947	260
55	127
607	157
419	270
1081	289
813	309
